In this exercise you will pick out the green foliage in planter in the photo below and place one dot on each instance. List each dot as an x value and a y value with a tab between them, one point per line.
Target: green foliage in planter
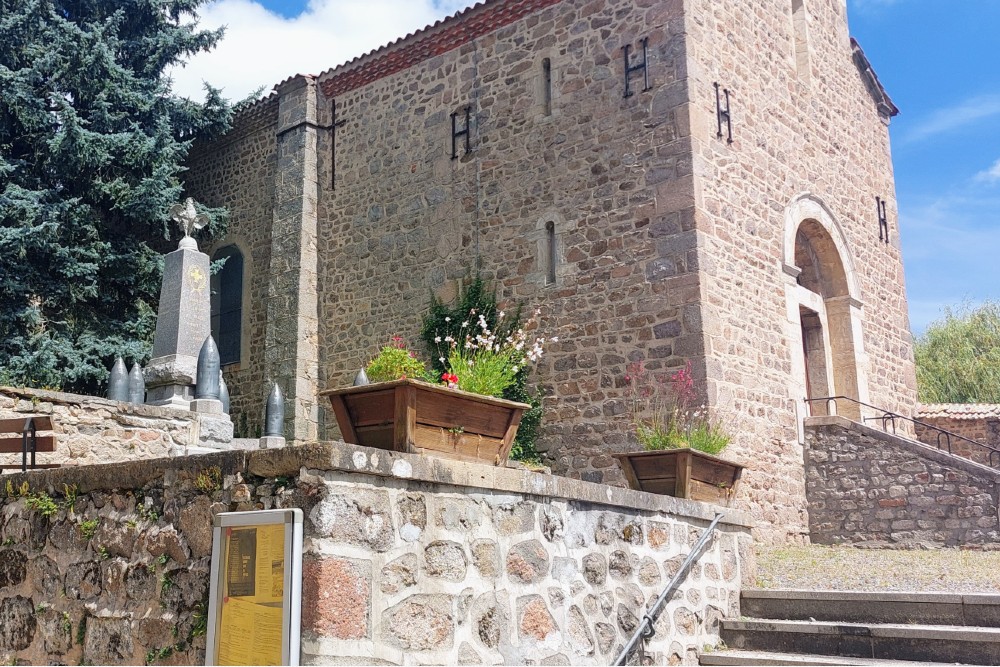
393	362
704	436
446	320
664	414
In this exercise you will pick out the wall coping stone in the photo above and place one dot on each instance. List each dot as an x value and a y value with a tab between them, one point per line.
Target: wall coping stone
340	456
122	407
914	447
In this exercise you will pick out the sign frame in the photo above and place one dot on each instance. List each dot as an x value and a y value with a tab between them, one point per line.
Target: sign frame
291	620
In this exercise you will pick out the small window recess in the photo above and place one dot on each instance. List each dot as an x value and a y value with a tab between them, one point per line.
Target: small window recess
547	86
550	251
227	305
800	35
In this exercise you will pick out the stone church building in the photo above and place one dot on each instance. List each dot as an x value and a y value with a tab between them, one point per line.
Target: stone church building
670	182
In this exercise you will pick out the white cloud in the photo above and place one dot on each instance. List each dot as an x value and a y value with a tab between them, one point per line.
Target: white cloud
949	119
261	48
991	175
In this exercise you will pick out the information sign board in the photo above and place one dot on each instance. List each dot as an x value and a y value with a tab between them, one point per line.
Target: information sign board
254	607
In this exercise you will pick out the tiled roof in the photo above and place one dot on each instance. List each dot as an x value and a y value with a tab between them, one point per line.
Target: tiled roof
958	411
441	37
445	35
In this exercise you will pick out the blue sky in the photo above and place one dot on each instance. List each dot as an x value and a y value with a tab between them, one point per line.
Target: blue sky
937	59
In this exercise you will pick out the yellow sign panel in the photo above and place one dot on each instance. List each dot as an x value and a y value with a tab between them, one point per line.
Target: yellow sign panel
253	576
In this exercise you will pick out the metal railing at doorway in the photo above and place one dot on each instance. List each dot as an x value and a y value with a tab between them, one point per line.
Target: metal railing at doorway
888	419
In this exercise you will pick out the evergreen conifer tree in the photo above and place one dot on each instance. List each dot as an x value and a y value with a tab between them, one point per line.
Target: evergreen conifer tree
91	147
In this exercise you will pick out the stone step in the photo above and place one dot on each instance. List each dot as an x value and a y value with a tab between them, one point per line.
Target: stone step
981	610
888	641
734	657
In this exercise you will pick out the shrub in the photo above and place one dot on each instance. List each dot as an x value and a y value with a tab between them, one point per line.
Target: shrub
448	324
394	362
664	413
958	357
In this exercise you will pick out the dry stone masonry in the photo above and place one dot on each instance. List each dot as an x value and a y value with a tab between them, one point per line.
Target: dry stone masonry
408	560
867	486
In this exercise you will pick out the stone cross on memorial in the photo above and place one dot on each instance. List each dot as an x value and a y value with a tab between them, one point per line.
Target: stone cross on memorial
184	319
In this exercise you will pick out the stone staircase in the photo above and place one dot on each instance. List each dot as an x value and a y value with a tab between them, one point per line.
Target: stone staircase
796	627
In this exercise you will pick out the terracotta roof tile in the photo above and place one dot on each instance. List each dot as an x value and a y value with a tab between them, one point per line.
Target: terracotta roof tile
958	411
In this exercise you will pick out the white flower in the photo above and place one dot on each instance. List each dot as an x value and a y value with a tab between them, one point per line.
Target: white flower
437	339
447	319
441	359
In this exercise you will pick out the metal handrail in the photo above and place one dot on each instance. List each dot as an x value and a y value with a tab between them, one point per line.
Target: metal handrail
645	629
889	417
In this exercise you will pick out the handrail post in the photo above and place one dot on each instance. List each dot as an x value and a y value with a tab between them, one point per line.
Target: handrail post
29	427
645	629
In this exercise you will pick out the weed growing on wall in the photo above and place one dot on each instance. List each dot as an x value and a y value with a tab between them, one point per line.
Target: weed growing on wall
42	503
209	480
88	528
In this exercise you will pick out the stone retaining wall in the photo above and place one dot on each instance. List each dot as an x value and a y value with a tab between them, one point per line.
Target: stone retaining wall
864	485
407	560
980	423
93	430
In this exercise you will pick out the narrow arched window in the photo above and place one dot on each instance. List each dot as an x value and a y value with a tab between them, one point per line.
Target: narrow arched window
550	252
227	304
801	38
547	86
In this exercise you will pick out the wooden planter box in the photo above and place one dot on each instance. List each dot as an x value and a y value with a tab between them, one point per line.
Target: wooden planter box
683	473
413	416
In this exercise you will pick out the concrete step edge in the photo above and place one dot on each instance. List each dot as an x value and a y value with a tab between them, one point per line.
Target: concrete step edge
871	596
737	657
888	630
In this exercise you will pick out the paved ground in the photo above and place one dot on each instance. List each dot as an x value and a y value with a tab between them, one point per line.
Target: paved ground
849	568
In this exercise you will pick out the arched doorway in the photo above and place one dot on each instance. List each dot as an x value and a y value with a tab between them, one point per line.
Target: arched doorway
824	311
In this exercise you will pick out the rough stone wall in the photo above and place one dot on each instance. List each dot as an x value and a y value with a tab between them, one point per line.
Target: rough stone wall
864	485
238	172
408	559
91	430
792	134
612	174
984	429
417	576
